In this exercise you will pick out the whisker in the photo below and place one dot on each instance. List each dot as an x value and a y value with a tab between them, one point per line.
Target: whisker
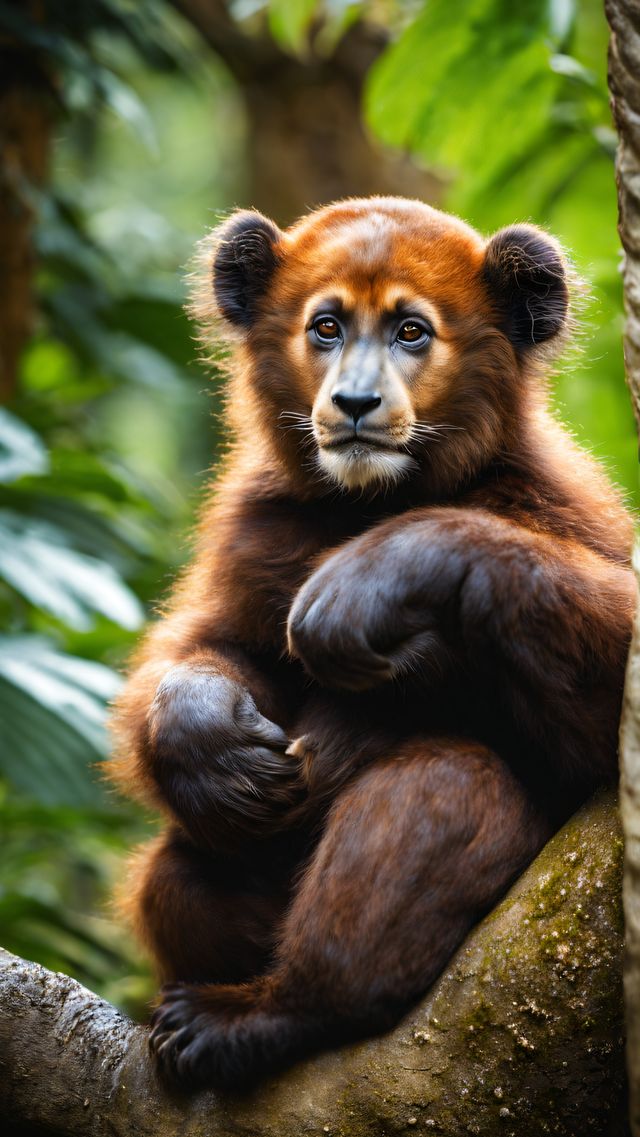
301	423
295	415
438	426
421	431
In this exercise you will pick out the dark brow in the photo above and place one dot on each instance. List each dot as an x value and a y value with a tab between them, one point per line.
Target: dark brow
331	306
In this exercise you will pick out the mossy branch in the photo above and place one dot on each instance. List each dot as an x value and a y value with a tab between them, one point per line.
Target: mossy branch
520	1036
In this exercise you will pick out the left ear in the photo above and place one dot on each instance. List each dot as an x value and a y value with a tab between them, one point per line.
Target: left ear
526	276
246	258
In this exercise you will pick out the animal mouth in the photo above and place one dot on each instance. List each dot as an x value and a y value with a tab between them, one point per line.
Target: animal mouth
358	442
357	459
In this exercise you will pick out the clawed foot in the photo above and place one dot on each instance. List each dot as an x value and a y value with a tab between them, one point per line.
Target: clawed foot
216	1036
187	1038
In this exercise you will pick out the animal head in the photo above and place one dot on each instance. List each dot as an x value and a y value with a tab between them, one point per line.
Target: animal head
380	340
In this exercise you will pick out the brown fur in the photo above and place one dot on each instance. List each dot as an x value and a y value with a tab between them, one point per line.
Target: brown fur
447	651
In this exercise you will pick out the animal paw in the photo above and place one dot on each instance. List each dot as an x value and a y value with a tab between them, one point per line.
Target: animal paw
215	1035
235	777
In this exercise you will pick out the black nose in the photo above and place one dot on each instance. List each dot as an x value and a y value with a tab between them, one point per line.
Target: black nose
356	405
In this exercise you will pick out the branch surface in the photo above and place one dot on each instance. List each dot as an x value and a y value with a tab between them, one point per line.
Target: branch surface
521	1036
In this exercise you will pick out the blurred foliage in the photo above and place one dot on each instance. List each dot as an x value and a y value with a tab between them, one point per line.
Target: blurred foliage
104	446
101	452
510	103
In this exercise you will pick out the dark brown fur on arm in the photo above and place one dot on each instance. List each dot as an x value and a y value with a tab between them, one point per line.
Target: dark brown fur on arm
537	624
202	724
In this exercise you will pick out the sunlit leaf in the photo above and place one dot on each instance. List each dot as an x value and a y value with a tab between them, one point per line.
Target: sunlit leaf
36	562
454	89
562	14
22	451
124	102
48	365
403	84
573	69
289	21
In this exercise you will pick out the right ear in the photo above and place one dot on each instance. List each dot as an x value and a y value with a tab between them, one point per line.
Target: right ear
245	260
526	274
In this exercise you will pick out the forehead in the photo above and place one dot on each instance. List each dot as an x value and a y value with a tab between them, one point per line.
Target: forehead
377	256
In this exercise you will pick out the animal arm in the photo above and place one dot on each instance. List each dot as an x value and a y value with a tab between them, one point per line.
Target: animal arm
531	617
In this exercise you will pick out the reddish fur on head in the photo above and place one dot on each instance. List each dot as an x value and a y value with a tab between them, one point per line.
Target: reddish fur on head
494	307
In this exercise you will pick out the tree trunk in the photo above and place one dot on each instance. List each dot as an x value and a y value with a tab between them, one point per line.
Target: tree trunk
307	144
25	131
624	83
521	1036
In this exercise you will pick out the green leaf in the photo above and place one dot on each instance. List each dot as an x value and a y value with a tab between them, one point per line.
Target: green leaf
572	69
22	451
404	81
81	475
473	95
58	936
139	363
289	21
53	710
110	533
37	563
124	102
454	89
562	15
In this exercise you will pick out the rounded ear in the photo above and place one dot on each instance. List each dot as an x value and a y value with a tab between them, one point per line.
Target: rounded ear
245	259
526	276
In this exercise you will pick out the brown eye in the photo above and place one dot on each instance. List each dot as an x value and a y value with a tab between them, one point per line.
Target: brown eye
327	329
412	332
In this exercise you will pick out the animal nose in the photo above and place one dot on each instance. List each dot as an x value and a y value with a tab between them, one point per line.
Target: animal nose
356	406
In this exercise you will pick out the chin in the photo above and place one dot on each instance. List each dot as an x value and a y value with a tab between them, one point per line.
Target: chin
359	467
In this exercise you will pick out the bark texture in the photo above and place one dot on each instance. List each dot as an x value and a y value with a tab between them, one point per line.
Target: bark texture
624	83
521	1036
26	104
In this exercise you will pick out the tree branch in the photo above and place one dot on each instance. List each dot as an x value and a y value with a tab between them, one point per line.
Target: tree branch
244	54
521	1035
306	141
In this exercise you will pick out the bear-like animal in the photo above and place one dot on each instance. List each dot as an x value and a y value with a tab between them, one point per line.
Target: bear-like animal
395	666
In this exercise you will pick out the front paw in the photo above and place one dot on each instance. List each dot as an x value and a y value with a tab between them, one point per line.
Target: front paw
367	616
342	629
220	764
